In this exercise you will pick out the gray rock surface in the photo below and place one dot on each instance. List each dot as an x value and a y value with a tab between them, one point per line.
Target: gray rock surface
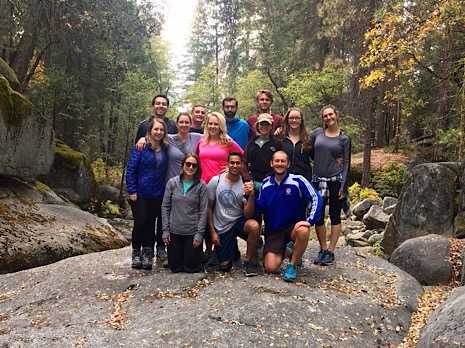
107	193
459	225
389	210
362	301
426	204
426	258
389	201
33	233
445	327
124	226
375	218
374	238
361	208
27	151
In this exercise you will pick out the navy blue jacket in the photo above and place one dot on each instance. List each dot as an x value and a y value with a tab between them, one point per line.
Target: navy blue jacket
144	174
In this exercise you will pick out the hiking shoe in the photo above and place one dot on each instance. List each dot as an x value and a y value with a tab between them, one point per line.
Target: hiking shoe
136	261
225	267
327	259
290	251
161	253
317	260
147	258
290	274
250	268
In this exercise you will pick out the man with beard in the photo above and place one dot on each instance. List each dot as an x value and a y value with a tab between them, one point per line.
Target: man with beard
198	115
238	129
160	105
264	100
290	206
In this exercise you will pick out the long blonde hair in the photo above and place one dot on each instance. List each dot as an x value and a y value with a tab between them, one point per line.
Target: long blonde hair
224	139
303	134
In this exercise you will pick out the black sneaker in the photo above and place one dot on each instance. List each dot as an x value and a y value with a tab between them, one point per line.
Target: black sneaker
327	259
136	261
250	269
147	258
317	260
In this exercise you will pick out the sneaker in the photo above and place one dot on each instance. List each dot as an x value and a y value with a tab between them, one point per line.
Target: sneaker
289	252
161	253
136	261
290	274
250	269
147	258
317	260
327	259
213	260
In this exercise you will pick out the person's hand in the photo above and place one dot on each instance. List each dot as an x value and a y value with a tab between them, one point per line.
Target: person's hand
302	224
132	197
249	188
167	240
340	195
140	144
215	238
196	243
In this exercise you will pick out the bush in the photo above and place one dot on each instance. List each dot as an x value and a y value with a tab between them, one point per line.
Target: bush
358	194
105	174
388	180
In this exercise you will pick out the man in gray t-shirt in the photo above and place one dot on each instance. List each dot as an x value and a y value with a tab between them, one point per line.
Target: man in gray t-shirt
226	213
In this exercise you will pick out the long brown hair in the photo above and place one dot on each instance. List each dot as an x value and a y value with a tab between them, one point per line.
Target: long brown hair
164	140
303	134
335	110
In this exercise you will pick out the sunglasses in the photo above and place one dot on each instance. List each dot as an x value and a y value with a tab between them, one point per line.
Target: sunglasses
190	164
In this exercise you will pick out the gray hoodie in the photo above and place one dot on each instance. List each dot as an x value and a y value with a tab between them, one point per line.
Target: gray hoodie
184	213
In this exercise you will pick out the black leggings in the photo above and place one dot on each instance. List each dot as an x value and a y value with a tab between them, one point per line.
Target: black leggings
335	204
182	256
146	212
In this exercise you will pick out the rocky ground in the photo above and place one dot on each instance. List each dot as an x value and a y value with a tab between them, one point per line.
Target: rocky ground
96	300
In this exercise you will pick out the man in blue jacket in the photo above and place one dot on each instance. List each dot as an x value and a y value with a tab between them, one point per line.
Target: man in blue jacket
290	206
238	129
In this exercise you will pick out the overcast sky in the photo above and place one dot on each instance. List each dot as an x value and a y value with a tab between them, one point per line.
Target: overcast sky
176	31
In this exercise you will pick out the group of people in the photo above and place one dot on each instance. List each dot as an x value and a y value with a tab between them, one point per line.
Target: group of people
206	179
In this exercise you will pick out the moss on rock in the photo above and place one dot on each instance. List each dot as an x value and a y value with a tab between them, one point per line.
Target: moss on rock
41	187
8	73
14	107
71	157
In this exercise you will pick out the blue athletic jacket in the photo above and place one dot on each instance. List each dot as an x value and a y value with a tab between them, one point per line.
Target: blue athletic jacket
144	174
287	203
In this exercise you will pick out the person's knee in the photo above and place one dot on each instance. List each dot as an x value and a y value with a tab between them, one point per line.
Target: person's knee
302	233
252	227
271	264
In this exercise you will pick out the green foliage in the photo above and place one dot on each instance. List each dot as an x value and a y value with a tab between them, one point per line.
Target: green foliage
449	142
354	131
388	181
40	186
313	88
247	88
105	174
205	90
109	209
378	249
358	194
8	73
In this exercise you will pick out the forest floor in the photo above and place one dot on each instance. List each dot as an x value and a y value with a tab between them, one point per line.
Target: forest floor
379	157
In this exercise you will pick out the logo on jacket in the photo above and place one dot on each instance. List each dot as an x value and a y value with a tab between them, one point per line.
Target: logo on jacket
288	191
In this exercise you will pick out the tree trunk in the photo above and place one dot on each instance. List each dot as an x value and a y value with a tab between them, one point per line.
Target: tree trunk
367	100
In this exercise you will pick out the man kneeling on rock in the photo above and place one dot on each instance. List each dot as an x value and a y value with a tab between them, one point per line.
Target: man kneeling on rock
284	199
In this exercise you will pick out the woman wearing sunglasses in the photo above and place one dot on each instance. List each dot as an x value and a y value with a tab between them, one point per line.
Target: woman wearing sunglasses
184	216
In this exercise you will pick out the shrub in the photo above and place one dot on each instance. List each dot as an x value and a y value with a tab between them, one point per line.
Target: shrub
357	194
105	174
388	180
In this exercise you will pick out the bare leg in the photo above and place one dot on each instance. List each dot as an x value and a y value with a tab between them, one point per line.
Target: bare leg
335	233
300	236
252	228
272	262
321	234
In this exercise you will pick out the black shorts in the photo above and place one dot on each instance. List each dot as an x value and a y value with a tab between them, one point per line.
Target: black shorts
275	242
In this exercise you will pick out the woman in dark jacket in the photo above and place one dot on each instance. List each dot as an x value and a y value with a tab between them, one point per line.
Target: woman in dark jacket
185	211
145	181
296	143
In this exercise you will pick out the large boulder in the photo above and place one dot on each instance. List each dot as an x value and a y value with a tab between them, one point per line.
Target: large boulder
71	174
444	327
426	204
27	147
361	208
459	225
375	218
99	301
34	233
426	258
107	193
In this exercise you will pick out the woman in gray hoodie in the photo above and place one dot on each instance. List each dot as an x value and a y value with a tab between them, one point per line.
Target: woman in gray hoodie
184	215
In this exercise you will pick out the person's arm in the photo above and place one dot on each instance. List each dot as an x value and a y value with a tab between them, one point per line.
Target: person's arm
315	205
211	191
346	152
166	207
312	144
141	131
203	219
249	206
132	172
